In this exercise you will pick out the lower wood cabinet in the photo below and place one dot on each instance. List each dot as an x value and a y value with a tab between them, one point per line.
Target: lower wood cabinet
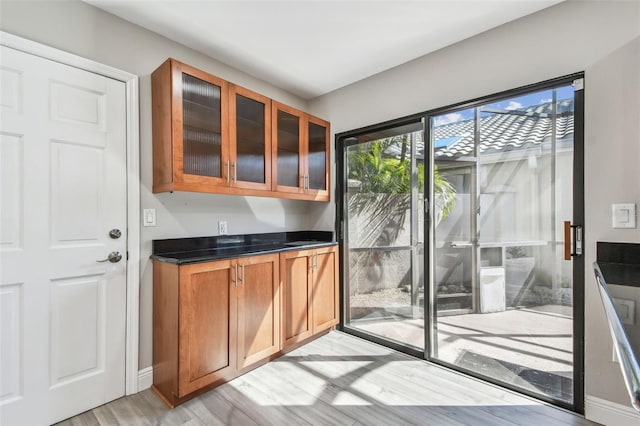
258	295
213	321
207	318
310	298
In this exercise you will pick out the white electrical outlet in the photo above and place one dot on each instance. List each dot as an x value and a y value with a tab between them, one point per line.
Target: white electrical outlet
222	227
623	215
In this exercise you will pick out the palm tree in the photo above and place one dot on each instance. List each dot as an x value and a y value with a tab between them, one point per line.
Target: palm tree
383	178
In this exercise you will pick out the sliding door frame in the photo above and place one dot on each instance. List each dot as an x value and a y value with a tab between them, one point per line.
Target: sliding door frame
578	218
345	139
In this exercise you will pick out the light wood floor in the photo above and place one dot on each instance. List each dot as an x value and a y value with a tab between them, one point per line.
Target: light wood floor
339	380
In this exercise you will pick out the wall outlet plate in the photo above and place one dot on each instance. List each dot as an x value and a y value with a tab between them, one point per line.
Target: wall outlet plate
223	228
623	215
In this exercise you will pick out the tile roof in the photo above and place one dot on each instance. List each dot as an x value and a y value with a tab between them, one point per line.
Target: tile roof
504	130
500	130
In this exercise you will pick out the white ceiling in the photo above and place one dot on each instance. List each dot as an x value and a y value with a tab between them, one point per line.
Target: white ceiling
313	47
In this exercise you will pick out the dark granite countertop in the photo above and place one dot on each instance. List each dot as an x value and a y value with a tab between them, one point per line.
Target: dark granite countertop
182	251
619	263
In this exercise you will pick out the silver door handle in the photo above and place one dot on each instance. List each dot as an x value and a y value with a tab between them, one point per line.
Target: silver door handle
242	275
235	275
227	166
114	257
235	172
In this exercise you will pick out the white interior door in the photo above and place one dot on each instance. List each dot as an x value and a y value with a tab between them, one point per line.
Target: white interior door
63	189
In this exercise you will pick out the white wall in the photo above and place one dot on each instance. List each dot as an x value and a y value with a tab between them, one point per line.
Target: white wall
612	175
600	38
81	29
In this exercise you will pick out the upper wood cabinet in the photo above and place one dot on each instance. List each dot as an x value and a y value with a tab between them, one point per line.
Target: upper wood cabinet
300	154
250	137
210	135
190	129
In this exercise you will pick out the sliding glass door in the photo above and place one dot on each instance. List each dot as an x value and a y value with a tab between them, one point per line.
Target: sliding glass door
384	250
502	290
454	236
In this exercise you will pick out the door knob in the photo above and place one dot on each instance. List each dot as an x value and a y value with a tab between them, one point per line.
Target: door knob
115	234
114	257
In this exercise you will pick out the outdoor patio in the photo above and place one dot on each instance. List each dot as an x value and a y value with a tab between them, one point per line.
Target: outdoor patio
529	347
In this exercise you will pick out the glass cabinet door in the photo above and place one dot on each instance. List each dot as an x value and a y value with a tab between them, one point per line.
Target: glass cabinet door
250	139
288	165
301	153
317	161
202	127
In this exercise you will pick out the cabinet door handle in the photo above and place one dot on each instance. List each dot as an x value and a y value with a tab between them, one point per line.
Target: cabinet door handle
227	166
235	275
235	172
242	275
307	179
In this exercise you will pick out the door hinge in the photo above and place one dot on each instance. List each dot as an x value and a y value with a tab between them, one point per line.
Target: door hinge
127	255
578	84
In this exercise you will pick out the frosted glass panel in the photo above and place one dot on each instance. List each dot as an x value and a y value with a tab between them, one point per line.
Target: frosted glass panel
317	156
288	149
250	140
201	127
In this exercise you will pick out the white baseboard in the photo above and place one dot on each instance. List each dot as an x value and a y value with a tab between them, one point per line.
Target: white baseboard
145	378
610	413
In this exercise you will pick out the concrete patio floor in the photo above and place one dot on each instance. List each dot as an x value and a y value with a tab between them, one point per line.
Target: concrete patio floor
530	347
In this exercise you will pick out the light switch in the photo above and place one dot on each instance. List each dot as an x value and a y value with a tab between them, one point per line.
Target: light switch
623	215
149	217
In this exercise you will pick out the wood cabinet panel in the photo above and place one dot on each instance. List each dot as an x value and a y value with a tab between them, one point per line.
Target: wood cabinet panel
208	318
310	299
296	297
325	290
165	328
258	308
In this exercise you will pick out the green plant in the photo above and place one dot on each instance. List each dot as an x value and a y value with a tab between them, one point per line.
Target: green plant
382	170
